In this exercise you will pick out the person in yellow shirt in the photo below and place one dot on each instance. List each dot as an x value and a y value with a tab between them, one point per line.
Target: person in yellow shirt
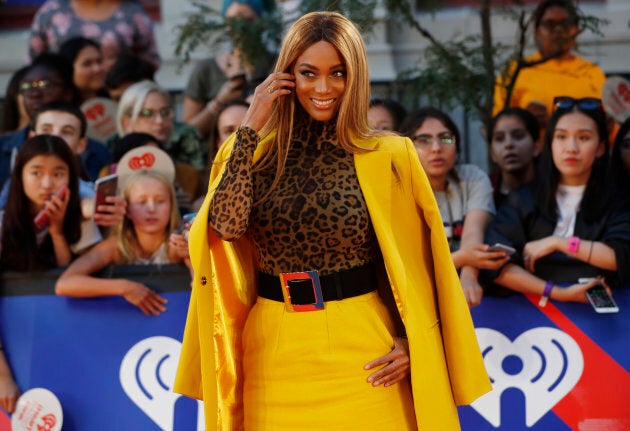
556	24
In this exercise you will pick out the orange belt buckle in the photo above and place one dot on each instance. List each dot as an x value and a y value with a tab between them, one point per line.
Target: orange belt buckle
302	291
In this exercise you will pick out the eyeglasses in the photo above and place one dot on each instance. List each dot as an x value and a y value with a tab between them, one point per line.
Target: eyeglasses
43	85
585	104
443	140
551	24
165	113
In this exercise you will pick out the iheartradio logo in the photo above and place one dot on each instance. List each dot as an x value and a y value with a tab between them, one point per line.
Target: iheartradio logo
543	363
147	374
37	410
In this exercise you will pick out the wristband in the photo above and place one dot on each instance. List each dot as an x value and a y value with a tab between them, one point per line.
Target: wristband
545	296
574	244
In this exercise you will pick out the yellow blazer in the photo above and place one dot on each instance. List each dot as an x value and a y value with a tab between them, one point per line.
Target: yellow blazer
446	365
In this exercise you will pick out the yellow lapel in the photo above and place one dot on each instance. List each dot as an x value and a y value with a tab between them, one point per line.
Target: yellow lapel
374	171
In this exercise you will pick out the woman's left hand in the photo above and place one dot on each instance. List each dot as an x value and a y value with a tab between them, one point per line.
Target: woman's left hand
534	250
396	365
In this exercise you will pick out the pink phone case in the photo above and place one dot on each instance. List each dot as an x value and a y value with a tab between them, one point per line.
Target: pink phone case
41	220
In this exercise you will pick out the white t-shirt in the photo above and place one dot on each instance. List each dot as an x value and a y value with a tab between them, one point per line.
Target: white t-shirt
568	199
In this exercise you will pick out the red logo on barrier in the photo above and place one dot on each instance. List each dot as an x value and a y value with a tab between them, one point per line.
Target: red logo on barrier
95	112
144	161
48	422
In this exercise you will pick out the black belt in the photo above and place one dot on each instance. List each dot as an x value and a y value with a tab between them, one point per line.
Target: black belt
336	286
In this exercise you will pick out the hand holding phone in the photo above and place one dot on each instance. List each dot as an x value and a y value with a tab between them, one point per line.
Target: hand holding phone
184	227
42	220
599	297
104	187
509	251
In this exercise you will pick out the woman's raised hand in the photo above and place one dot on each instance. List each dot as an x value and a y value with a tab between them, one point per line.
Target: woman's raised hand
276	85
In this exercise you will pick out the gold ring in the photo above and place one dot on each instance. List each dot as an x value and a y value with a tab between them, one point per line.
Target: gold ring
270	89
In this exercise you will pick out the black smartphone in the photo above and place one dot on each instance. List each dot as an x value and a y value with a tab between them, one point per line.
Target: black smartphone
103	187
599	298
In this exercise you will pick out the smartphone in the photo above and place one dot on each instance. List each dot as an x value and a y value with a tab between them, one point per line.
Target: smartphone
502	247
41	220
599	298
103	187
184	227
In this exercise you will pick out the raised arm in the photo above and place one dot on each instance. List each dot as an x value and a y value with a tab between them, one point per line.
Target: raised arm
233	198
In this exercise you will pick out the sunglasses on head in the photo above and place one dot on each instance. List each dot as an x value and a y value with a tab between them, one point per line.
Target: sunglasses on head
585	103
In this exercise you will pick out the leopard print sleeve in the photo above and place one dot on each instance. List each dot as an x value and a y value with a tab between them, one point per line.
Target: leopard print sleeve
233	198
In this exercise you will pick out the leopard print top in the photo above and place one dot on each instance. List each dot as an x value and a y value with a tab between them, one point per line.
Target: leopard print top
315	218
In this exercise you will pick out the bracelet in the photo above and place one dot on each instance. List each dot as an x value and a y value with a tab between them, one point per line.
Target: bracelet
545	296
590	250
574	244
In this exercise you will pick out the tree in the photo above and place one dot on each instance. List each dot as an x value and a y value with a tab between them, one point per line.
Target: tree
206	26
456	72
462	71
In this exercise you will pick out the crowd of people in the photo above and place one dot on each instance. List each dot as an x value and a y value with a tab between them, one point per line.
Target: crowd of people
284	151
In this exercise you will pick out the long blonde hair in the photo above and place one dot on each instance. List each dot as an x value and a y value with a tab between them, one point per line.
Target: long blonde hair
125	232
352	122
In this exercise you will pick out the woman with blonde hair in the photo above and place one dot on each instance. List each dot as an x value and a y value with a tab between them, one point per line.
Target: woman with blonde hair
144	237
145	107
296	256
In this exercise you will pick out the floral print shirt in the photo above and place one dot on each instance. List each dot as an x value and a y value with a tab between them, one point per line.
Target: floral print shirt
128	30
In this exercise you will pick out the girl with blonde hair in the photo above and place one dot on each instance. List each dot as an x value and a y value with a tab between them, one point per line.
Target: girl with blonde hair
141	238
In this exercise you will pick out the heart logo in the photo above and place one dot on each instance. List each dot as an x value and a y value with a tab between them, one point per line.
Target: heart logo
146	160
147	373
544	363
616	98
95	112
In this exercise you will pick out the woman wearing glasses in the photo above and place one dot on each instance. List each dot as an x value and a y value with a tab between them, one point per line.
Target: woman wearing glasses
556	69
566	225
463	193
145	107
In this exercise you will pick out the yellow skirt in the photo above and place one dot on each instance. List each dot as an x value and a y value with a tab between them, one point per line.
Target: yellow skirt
304	371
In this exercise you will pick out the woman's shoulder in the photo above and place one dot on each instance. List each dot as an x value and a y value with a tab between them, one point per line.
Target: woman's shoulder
470	172
387	142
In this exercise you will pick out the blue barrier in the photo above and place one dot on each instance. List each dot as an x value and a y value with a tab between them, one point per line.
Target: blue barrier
562	367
